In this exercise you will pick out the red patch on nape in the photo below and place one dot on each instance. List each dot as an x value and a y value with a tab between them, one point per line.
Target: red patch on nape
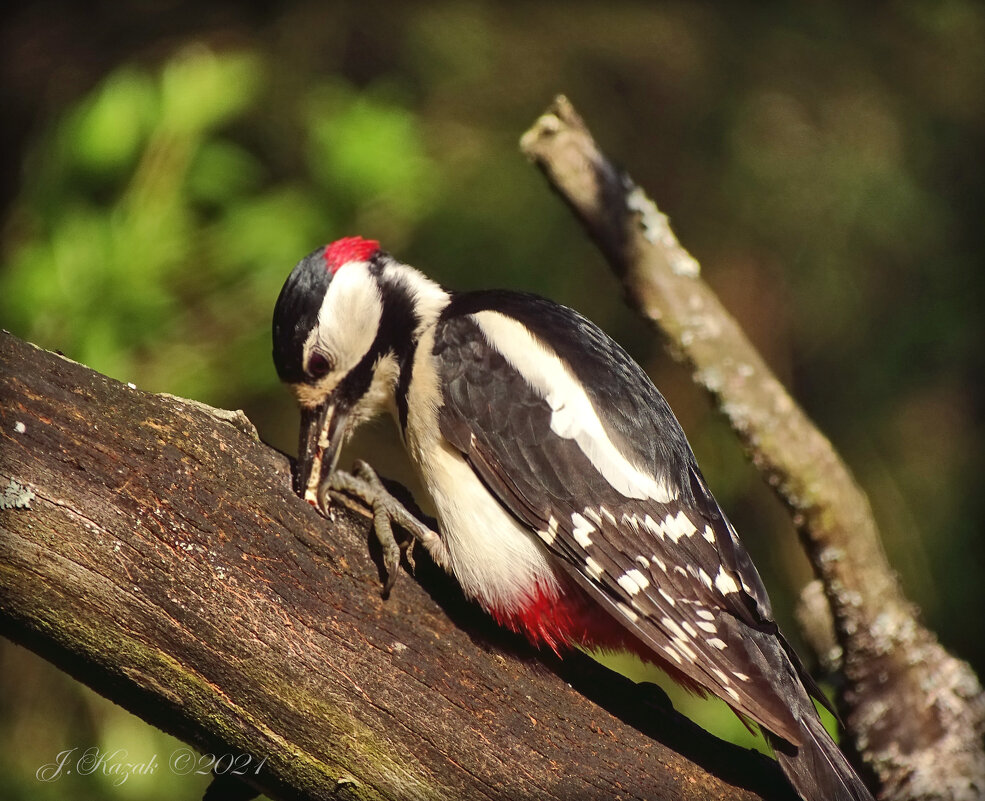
351	248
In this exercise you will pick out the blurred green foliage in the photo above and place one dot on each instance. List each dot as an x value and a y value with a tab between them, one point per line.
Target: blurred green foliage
153	241
824	162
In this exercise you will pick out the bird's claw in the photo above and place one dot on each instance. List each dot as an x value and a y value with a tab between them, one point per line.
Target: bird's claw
365	484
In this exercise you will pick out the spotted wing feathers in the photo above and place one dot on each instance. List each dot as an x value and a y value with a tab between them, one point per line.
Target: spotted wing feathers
670	570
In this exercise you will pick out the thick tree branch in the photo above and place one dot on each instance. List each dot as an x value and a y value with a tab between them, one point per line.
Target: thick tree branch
157	553
915	713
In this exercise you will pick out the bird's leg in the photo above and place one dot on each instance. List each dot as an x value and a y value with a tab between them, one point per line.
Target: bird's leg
366	485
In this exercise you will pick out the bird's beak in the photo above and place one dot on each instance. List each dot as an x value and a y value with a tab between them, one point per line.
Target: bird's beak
321	438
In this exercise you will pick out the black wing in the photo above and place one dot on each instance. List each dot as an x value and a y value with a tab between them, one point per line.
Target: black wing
672	571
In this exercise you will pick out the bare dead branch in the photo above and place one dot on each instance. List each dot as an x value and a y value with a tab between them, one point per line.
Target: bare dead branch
915	713
156	552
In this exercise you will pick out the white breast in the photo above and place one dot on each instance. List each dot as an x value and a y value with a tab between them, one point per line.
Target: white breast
495	559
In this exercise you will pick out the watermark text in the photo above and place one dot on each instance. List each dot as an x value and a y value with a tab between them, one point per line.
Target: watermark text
118	766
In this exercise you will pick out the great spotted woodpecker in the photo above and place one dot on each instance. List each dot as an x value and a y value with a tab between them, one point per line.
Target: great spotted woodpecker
569	503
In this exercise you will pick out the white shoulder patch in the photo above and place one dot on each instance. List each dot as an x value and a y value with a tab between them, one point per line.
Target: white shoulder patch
572	414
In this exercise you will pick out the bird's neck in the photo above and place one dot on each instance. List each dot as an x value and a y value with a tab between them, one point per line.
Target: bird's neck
412	303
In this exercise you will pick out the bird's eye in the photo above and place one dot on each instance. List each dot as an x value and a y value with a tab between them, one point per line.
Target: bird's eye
319	365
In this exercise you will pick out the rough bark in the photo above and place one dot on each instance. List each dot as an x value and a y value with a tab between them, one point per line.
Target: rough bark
152	548
915	714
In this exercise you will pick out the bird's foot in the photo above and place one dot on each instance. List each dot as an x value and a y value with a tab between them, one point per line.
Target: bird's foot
365	484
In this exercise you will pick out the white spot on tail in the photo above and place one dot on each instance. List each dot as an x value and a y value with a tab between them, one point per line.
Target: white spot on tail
594	568
550	535
633	521
653	526
724	583
632	581
673	628
685	649
714	642
677	526
629	613
705	578
724	678
582	529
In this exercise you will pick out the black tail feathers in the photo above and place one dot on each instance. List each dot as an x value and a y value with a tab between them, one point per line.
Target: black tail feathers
817	769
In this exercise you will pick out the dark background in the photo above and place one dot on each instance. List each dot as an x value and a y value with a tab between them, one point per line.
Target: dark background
166	163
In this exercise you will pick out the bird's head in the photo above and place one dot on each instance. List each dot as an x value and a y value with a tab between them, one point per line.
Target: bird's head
333	348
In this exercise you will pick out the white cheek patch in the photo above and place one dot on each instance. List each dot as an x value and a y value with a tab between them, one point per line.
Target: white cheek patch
348	319
572	414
